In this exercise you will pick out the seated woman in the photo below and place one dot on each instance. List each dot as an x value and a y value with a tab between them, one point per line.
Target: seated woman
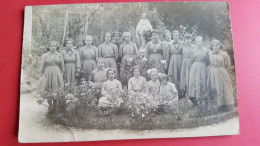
168	91
137	83
109	90
153	85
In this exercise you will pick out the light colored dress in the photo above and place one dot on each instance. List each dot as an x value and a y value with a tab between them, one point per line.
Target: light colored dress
110	53
218	79
198	72
98	76
72	64
88	57
152	87
169	93
155	53
52	66
137	84
127	50
107	98
186	65
175	59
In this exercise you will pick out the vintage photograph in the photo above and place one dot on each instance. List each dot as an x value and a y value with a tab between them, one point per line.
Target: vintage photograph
107	71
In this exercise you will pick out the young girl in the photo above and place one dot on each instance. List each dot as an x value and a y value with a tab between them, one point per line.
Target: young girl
88	56
127	49
168	91
186	63
155	52
71	61
153	85
198	71
110	87
175	57
137	83
109	52
219	83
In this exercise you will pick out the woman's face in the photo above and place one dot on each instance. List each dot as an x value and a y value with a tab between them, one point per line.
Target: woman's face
53	47
215	46
188	40
199	41
117	37
107	38
154	76
69	44
111	75
168	36
175	36
100	64
136	72
88	41
155	36
127	38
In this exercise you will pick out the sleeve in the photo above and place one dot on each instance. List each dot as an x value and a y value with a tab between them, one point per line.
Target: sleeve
120	51
96	53
100	50
116	52
144	85
130	87
135	48
168	56
192	56
147	87
103	90
164	51
42	64
119	86
227	61
62	68
174	91
78	61
147	54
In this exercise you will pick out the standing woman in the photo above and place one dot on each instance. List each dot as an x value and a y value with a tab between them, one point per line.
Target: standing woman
168	39
186	63
117	38
71	62
198	71
88	56
156	53
175	57
127	49
109	52
219	83
52	67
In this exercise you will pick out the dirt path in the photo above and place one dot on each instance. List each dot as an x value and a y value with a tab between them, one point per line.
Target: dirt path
35	127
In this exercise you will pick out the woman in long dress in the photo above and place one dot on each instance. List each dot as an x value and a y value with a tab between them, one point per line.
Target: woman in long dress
109	52
219	83
156	53
51	69
88	56
175	57
127	49
137	83
71	62
186	63
198	72
109	89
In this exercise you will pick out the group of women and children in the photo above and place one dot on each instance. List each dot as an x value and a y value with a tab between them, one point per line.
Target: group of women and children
195	68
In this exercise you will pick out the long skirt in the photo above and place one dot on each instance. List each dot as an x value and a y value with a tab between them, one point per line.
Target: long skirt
155	60
219	83
70	73
88	66
197	80
111	63
185	72
175	67
54	78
